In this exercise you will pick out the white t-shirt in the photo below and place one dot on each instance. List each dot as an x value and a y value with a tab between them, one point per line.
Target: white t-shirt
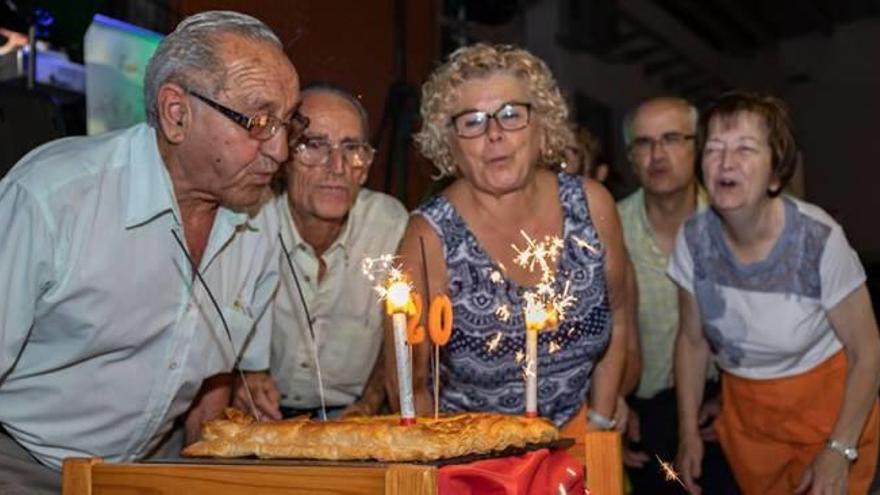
768	319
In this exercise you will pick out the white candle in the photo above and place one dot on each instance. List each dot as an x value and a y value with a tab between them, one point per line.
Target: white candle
397	300
404	373
531	373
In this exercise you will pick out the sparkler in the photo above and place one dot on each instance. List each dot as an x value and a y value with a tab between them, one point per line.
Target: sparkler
397	301
314	338
669	473
544	307
235	356
394	288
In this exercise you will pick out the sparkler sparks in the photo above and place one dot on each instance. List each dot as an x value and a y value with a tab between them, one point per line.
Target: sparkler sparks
669	473
543	253
520	356
544	306
390	279
584	244
493	342
502	312
554	346
529	369
496	277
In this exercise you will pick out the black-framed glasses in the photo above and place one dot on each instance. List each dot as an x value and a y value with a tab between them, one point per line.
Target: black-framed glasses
316	152
511	116
261	126
644	146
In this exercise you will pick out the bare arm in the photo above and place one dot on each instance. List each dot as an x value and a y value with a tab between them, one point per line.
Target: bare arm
608	374
411	259
213	397
633	370
691	358
854	323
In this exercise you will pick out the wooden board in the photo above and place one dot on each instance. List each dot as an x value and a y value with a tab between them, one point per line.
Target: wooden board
94	477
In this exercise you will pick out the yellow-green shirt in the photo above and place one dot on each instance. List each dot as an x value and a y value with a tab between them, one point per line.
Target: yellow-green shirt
658	295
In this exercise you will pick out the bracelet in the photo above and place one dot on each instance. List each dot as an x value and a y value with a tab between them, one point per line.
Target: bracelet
600	421
849	453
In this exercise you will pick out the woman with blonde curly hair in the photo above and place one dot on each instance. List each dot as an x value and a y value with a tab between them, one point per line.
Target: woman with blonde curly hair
494	120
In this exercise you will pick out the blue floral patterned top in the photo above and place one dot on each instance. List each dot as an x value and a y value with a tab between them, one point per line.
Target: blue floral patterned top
479	370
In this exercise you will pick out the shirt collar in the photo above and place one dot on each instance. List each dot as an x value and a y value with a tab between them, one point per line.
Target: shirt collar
645	225
149	187
150	191
293	239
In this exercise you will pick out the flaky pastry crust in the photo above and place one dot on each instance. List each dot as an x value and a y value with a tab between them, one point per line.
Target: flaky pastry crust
380	438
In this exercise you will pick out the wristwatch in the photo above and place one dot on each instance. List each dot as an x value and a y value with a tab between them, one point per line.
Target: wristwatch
600	421
850	453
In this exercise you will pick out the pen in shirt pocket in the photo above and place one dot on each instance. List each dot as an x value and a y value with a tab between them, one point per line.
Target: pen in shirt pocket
242	308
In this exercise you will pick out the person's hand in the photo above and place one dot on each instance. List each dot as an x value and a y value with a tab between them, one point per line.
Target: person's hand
264	392
358	408
827	475
621	414
708	412
633	435
688	462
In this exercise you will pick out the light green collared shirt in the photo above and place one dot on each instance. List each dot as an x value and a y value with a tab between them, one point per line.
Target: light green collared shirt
658	295
105	335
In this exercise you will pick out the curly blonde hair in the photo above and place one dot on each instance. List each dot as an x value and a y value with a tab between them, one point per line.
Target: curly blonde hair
440	93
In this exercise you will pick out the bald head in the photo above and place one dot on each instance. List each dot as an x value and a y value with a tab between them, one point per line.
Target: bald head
653	106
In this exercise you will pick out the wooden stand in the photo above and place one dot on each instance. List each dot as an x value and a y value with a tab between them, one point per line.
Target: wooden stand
95	477
92	476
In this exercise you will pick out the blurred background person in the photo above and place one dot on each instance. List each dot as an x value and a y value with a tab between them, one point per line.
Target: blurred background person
584	155
770	285
659	134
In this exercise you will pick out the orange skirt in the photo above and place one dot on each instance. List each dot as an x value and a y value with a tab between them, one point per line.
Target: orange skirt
771	430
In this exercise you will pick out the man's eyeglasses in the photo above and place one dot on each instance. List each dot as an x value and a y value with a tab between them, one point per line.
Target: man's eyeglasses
511	116
316	152
644	146
261	126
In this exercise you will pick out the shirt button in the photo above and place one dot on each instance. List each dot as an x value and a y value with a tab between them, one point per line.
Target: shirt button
172	366
297	398
303	364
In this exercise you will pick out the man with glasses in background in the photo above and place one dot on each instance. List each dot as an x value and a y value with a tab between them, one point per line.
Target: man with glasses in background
136	265
328	323
659	135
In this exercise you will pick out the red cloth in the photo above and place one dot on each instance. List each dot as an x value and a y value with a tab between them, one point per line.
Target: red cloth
539	472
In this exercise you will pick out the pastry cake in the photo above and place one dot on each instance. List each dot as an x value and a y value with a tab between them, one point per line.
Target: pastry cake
364	438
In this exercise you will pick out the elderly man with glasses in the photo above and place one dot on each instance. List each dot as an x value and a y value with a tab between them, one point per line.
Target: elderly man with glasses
327	334
137	264
659	134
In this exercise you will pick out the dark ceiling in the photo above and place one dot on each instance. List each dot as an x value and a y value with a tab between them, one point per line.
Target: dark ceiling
623	32
741	27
